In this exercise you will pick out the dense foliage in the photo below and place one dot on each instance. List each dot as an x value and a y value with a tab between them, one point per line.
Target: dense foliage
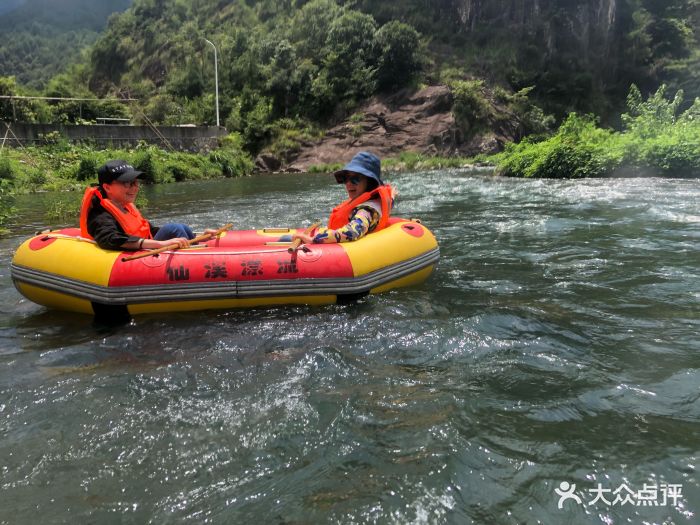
289	68
656	139
308	63
39	37
578	55
312	61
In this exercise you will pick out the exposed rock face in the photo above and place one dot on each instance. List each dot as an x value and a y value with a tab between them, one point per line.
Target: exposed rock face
407	121
267	163
587	25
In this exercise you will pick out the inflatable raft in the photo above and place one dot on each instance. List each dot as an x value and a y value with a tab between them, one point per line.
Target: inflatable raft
238	269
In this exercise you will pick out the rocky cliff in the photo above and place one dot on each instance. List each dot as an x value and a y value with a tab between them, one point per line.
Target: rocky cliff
411	121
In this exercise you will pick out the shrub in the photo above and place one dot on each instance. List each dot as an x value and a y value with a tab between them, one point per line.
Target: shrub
231	164
87	169
178	172
356	118
7	172
52	137
145	164
471	108
655	141
37	178
577	150
397	46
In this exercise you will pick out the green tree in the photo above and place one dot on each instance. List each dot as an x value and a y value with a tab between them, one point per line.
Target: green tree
187	82
18	110
349	58
471	108
310	25
398	58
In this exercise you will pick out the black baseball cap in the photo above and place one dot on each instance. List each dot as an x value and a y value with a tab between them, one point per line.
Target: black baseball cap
117	170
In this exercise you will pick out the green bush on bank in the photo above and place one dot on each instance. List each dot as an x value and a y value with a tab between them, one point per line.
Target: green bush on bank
287	136
654	141
578	149
471	108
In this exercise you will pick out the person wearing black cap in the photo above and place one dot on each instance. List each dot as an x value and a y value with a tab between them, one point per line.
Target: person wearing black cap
367	208
108	214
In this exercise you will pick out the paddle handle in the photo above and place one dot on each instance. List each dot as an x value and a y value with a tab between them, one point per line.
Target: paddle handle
297	242
174	246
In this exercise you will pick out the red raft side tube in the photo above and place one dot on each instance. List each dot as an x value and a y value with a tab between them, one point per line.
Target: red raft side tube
237	270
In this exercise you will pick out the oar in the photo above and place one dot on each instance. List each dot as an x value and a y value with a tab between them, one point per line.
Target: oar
297	242
174	246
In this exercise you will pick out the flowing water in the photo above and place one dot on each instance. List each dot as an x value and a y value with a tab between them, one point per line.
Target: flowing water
552	358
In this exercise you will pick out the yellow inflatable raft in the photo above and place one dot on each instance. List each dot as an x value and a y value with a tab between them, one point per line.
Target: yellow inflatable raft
236	270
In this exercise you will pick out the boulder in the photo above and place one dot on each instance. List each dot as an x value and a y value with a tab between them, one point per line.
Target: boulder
266	162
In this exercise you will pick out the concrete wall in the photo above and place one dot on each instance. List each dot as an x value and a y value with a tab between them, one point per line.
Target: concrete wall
181	138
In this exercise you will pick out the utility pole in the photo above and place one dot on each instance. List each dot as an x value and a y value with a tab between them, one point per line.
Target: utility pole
216	79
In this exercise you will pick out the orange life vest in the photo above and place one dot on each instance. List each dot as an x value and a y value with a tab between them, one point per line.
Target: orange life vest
341	213
132	222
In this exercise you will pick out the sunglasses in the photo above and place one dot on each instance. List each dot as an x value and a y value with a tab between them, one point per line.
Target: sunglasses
129	183
342	178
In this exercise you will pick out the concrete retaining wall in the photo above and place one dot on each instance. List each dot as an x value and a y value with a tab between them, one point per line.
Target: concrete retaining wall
106	135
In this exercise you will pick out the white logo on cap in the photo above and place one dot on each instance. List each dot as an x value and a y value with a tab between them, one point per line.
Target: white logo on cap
122	167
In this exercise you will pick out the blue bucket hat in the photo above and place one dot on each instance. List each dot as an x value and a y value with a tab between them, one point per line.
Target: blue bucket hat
364	163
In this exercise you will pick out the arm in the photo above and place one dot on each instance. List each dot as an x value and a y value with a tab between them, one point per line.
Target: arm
110	236
152	244
106	230
361	222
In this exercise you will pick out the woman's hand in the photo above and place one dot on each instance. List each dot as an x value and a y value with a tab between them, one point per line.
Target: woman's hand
180	241
305	238
152	244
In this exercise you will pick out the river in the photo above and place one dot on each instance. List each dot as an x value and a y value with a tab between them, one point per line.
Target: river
552	360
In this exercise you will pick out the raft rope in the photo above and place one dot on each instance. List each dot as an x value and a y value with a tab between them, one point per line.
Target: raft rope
195	247
69	237
221	253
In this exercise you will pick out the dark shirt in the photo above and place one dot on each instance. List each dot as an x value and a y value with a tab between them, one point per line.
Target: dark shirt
108	234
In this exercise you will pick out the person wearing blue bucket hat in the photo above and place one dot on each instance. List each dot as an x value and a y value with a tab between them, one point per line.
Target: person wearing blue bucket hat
364	163
367	208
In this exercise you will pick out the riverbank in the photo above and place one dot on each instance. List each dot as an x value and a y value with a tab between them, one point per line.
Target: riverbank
64	167
59	165
69	168
657	140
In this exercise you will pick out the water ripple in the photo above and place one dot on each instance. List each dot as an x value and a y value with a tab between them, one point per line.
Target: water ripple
556	341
